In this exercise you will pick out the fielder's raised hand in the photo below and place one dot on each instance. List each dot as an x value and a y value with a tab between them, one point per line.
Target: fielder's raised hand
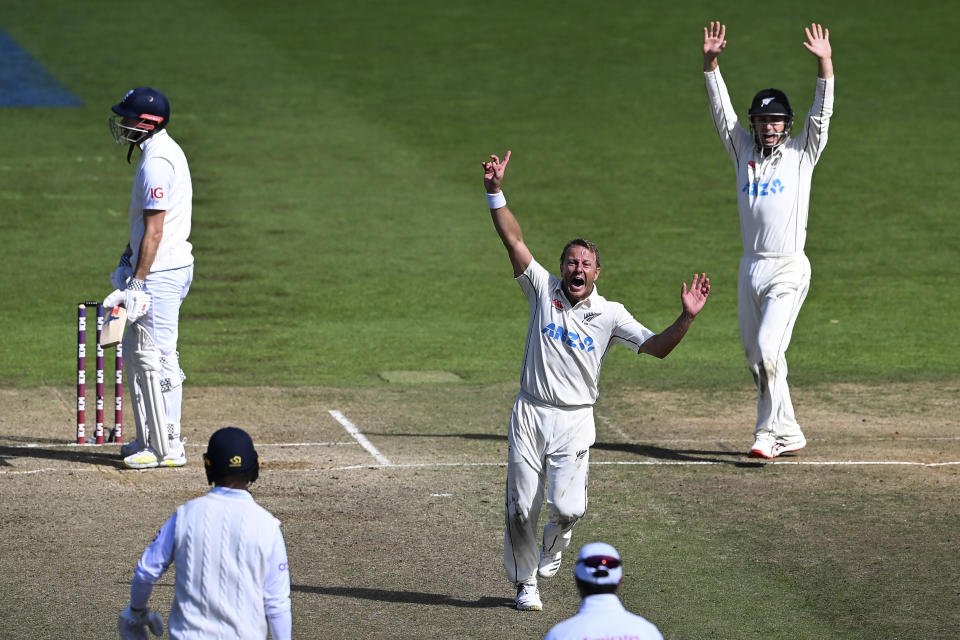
493	172
818	43
694	298
713	44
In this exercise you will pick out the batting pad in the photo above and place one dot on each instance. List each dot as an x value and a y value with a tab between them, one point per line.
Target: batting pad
144	361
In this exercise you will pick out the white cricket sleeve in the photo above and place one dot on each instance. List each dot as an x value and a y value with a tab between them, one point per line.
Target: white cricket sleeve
735	138
276	592
814	134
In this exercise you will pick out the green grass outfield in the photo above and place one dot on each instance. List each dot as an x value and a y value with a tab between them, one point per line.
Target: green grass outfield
339	220
340	228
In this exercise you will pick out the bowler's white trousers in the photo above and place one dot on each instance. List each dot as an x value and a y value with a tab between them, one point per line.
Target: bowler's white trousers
167	290
549	447
771	290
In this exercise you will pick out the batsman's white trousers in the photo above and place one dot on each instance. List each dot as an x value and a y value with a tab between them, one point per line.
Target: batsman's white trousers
162	320
771	290
549	446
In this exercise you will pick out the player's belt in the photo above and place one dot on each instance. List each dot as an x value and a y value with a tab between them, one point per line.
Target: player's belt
547	405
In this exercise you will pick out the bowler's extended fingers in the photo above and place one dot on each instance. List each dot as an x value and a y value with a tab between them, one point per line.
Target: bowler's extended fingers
506	159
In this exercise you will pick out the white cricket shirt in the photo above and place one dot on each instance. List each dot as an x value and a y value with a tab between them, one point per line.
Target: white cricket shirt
773	192
566	344
163	183
603	617
232	574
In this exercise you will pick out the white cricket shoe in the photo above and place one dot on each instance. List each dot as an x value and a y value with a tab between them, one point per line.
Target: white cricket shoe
787	446
144	459
528	598
176	456
763	448
549	563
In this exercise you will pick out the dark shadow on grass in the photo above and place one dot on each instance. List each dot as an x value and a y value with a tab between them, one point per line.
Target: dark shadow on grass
720	456
408	597
678	455
98	456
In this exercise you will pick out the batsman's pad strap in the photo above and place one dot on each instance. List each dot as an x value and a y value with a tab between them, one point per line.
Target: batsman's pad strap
173	374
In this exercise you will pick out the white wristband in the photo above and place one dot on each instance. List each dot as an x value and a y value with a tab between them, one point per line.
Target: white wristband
496	200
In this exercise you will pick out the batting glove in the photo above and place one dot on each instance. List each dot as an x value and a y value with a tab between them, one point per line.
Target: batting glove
133	625
135	299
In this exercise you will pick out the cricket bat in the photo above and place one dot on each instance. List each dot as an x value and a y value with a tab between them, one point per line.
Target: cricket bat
114	322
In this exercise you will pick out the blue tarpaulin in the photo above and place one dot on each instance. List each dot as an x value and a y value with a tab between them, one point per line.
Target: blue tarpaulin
25	83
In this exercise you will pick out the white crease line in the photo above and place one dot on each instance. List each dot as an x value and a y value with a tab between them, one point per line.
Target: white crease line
308	444
422	465
628	440
650	463
610	424
37	445
663	463
362	439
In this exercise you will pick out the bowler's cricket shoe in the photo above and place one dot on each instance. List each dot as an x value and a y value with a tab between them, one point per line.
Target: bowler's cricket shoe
763	448
528	598
144	459
788	446
549	563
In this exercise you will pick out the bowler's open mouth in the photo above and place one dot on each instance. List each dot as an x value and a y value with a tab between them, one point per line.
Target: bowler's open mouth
577	281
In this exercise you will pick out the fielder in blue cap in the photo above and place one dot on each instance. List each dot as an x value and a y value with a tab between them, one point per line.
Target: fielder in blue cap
599	573
232	578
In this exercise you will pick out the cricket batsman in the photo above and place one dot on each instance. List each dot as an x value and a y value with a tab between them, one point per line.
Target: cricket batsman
153	277
774	172
571	327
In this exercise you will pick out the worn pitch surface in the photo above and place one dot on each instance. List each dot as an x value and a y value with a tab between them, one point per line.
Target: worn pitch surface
391	502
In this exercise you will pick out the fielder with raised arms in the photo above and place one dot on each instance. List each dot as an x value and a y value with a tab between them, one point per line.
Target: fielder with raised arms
551	430
774	172
153	277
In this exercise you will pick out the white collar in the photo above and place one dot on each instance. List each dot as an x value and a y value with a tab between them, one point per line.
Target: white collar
146	143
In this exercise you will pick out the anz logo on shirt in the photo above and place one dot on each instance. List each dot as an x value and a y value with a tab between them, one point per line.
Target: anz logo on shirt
569	338
763	188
